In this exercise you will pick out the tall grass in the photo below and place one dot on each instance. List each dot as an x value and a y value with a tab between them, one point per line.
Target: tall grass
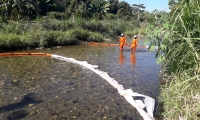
46	32
180	98
46	39
137	31
179	48
11	42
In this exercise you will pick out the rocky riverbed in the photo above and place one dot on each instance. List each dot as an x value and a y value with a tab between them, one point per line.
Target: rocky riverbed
44	89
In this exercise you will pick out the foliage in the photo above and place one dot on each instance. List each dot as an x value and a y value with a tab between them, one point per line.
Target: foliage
46	39
66	9
178	36
124	10
138	8
180	98
113	6
98	8
136	31
96	18
178	45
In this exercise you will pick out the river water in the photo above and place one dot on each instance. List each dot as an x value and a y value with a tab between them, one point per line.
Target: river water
49	89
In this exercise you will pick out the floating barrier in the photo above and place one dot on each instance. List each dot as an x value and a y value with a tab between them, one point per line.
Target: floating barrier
107	44
102	44
25	54
139	101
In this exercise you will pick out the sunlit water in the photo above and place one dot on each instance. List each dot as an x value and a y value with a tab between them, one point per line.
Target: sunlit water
46	89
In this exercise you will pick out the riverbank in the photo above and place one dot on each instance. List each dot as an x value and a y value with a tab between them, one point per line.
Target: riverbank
179	97
46	38
47	32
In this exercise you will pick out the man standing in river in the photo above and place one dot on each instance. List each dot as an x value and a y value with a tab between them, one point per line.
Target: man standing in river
122	41
134	43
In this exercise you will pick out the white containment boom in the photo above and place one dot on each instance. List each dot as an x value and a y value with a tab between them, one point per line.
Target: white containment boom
138	101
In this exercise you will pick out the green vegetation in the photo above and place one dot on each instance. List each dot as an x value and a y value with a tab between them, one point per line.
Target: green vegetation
27	24
52	32
179	40
16	36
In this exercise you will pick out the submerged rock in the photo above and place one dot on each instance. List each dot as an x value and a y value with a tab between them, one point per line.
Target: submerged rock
32	113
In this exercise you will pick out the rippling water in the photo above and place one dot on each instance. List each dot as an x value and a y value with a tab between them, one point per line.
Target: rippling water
46	89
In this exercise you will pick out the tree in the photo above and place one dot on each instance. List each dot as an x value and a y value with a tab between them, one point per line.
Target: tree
3	11
45	6
86	4
139	8
16	9
173	5
114	4
124	10
98	8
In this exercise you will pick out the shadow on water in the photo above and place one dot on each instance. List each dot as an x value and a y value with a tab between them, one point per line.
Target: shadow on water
30	98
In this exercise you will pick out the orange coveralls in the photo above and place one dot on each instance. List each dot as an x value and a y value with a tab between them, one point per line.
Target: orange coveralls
134	44
122	41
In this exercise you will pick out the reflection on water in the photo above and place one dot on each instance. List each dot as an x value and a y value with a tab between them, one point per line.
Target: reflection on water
68	91
132	58
121	58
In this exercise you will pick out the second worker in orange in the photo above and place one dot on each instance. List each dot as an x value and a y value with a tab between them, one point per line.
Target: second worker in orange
134	43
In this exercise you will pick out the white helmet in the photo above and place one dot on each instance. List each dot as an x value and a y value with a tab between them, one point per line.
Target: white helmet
122	34
135	36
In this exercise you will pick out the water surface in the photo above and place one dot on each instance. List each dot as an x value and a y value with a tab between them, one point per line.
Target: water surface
46	89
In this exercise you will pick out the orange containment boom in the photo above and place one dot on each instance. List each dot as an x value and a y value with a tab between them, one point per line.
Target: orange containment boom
107	44
24	54
102	44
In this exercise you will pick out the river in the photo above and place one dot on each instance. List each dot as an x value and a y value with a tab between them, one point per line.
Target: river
49	89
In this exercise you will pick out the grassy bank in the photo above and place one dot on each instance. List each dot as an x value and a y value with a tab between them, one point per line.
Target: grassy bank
180	97
46	39
46	32
179	53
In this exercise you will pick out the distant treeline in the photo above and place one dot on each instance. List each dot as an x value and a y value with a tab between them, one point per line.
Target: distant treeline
27	24
66	9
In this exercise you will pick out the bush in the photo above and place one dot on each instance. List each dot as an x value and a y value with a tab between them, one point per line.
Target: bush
46	32
85	35
180	55
11	42
57	15
110	16
53	24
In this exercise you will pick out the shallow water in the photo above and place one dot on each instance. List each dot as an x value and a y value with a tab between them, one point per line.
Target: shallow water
46	89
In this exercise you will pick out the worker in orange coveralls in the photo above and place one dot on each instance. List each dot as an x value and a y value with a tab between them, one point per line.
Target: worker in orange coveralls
121	58
134	43
132	58
122	41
